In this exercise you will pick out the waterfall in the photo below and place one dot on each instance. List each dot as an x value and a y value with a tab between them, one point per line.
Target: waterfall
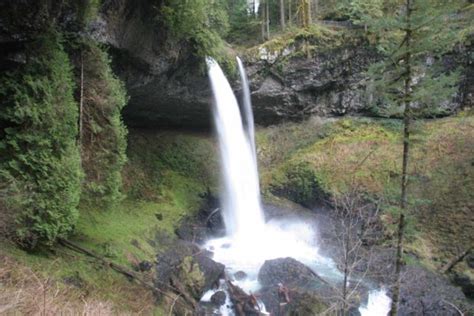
247	106
242	212
249	240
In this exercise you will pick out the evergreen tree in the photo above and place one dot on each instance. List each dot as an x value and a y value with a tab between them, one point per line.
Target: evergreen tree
413	38
362	11
39	159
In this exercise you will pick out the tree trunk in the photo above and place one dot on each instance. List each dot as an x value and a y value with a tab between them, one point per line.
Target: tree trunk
304	13
455	260
347	250
282	14
290	18
398	267
267	18
407	111
315	9
309	18
262	10
406	154
81	107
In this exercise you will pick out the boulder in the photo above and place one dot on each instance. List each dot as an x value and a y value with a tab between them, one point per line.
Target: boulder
302	302
240	275
426	293
144	266
218	298
287	271
186	267
466	283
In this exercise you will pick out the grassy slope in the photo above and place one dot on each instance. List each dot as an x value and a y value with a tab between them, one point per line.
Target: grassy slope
367	154
165	175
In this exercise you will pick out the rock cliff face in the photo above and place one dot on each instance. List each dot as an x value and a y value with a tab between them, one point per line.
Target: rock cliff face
162	76
163	81
167	89
327	84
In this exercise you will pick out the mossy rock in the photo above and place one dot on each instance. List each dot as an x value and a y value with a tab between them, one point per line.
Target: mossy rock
299	183
186	264
191	276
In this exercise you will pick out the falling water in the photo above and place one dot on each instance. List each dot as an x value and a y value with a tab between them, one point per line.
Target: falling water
249	240
241	195
247	105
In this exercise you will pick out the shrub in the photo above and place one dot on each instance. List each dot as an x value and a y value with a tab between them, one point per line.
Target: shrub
103	135
39	159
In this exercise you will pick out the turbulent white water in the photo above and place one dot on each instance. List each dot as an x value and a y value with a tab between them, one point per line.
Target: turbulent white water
250	241
378	304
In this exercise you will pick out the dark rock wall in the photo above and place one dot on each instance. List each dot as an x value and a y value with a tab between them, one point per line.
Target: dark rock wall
327	84
162	76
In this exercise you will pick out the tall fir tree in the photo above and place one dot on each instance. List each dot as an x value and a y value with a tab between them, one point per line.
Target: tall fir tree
410	78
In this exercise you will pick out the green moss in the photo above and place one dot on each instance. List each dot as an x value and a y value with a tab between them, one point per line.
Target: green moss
299	183
300	42
191	276
155	159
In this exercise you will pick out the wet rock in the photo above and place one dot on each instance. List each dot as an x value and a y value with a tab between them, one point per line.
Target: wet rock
207	223
218	298
240	275
288	271
308	293
302	302
186	264
466	284
426	293
144	266
193	231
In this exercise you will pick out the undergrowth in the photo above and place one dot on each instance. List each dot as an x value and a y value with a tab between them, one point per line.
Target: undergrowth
366	153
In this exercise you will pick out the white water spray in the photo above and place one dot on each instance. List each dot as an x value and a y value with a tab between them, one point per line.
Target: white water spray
378	304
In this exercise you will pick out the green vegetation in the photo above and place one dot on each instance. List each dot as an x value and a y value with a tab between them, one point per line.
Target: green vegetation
164	179
298	43
202	23
39	164
365	154
171	166
102	138
65	170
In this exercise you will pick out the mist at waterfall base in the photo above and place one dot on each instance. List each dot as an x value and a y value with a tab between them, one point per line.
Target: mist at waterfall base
249	240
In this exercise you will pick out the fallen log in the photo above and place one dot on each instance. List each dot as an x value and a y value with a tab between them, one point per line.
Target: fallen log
448	266
129	274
